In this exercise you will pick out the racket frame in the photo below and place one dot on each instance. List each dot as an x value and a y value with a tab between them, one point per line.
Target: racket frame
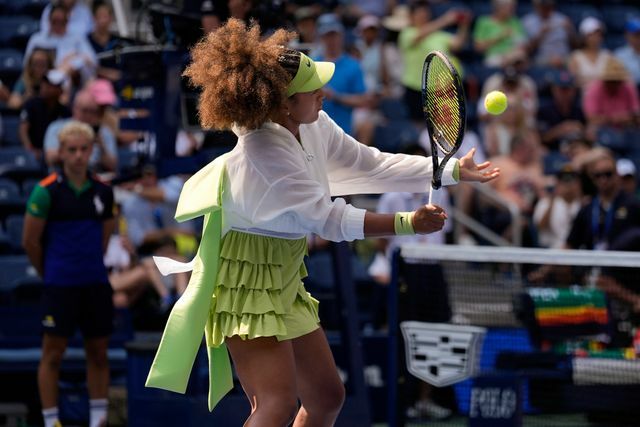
434	134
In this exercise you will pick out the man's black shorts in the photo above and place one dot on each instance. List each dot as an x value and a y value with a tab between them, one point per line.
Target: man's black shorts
68	308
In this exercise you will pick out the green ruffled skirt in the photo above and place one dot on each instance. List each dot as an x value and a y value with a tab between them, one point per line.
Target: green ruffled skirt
259	290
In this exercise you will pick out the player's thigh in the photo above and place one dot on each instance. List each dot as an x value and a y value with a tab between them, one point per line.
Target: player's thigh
317	374
265	366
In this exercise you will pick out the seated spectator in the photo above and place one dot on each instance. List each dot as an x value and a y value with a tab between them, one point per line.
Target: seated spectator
611	212
611	103
554	212
104	157
563	118
346	90
101	38
391	55
73	53
211	16
423	35
42	110
305	26
588	62
522	95
497	35
80	18
629	54
550	34
370	53
521	182
149	208
28	85
621	285
130	277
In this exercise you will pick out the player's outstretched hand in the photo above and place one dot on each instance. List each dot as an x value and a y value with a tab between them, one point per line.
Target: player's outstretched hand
428	219
470	171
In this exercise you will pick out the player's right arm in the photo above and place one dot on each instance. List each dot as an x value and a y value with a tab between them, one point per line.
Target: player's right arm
35	220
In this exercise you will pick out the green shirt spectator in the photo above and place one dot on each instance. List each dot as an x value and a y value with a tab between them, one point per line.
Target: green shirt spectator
498	38
414	54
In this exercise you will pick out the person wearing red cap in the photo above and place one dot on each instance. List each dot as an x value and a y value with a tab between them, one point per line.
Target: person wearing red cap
259	202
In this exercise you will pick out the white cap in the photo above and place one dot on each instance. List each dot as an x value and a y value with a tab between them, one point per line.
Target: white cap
589	25
368	21
625	167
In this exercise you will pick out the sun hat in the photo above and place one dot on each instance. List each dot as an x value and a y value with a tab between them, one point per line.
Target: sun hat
614	71
311	75
398	20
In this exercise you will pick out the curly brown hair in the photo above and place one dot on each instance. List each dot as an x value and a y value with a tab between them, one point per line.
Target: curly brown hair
241	79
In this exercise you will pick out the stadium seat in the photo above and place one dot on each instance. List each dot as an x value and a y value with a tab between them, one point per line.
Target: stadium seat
14	225
615	16
10	62
393	136
32	8
28	186
10	125
393	109
8	190
5	245
16	30
15	269
11	201
577	12
479	8
17	156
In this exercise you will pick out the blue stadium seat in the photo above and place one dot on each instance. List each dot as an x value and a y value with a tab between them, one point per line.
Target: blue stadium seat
480	7
11	201
14	225
16	30
5	245
15	269
17	156
10	63
9	190
578	11
394	135
32	8
28	186
614	41
615	16
393	109
10	126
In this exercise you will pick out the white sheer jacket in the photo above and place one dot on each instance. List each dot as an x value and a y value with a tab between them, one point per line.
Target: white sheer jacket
278	186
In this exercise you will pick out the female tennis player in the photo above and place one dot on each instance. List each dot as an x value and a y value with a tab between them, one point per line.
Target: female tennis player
259	202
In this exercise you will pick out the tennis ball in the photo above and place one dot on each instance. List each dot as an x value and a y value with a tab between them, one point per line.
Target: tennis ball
495	102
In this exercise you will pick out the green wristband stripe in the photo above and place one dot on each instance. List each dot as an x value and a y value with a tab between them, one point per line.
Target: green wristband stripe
403	223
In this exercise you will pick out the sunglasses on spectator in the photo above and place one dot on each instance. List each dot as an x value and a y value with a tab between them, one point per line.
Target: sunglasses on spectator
602	174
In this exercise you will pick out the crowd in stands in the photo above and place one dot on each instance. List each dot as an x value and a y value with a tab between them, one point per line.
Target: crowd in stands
568	144
570	71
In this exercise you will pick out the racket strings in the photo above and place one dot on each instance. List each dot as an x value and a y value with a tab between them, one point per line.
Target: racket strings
443	105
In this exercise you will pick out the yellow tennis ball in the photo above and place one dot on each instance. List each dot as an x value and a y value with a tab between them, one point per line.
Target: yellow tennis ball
495	102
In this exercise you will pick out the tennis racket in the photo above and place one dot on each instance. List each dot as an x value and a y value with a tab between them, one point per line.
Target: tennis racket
444	110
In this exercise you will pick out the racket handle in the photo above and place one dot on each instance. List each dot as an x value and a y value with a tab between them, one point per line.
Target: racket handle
430	193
